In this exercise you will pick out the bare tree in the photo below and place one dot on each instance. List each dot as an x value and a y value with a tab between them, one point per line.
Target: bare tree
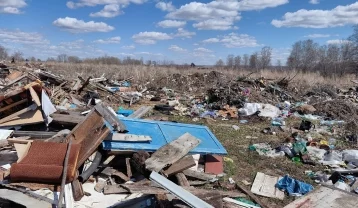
62	58
3	53
230	61
237	62
294	61
219	63
279	64
246	60
254	61
50	59
18	56
32	59
265	58
74	59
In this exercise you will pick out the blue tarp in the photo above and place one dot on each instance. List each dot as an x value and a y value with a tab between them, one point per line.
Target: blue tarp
293	186
163	133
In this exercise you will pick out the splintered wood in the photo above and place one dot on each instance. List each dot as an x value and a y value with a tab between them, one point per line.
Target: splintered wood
171	152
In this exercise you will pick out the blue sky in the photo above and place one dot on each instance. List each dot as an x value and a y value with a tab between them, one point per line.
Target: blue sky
181	31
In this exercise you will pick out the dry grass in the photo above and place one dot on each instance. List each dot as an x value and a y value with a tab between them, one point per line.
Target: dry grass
143	74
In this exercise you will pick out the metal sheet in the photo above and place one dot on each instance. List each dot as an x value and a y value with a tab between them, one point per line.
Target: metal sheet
179	192
163	133
4	134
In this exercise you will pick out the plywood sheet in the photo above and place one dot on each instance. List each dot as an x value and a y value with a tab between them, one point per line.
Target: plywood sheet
264	185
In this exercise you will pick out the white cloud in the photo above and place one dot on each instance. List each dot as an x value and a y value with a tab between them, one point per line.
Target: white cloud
314	1
79	26
109	11
12	6
176	48
184	33
92	3
248	5
202	50
129	47
211	40
149	54
215	15
338	42
171	23
234	40
317	36
215	24
116	39
147	38
339	16
165	6
18	36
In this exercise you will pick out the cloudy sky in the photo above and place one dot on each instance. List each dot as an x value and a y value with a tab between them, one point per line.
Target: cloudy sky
182	31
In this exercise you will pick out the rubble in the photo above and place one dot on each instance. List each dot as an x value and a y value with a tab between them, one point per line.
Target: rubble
86	139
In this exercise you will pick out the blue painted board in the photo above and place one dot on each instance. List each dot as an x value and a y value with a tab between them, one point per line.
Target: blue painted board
163	133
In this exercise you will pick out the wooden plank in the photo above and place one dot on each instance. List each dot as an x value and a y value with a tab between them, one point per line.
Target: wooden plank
264	185
144	189
214	164
68	120
13	105
27	109
129	168
114	189
121	175
35	134
172	152
34	96
110	117
182	164
77	189
323	197
163	200
251	195
31	117
213	198
182	181
199	175
128	137
140	112
18	141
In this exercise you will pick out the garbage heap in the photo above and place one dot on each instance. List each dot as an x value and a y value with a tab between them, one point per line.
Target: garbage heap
63	145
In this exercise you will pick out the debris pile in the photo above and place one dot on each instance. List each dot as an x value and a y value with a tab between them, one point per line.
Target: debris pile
70	143
62	145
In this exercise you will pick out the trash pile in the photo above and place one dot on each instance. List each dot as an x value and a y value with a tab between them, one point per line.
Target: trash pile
63	145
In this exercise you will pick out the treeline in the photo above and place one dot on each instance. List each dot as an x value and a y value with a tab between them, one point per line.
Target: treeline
257	60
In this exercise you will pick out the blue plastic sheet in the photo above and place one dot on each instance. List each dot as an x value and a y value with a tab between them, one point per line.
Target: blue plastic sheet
293	186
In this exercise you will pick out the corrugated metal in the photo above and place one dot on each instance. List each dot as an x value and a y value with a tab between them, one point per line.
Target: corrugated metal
163	133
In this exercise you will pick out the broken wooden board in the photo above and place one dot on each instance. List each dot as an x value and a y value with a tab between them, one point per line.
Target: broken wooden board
182	164
31	117
89	133
34	96
114	189
136	188
13	105
199	175
172	152
19	114
140	112
214	164
128	137
324	197
264	185
251	195
182	181
112	119
67	120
